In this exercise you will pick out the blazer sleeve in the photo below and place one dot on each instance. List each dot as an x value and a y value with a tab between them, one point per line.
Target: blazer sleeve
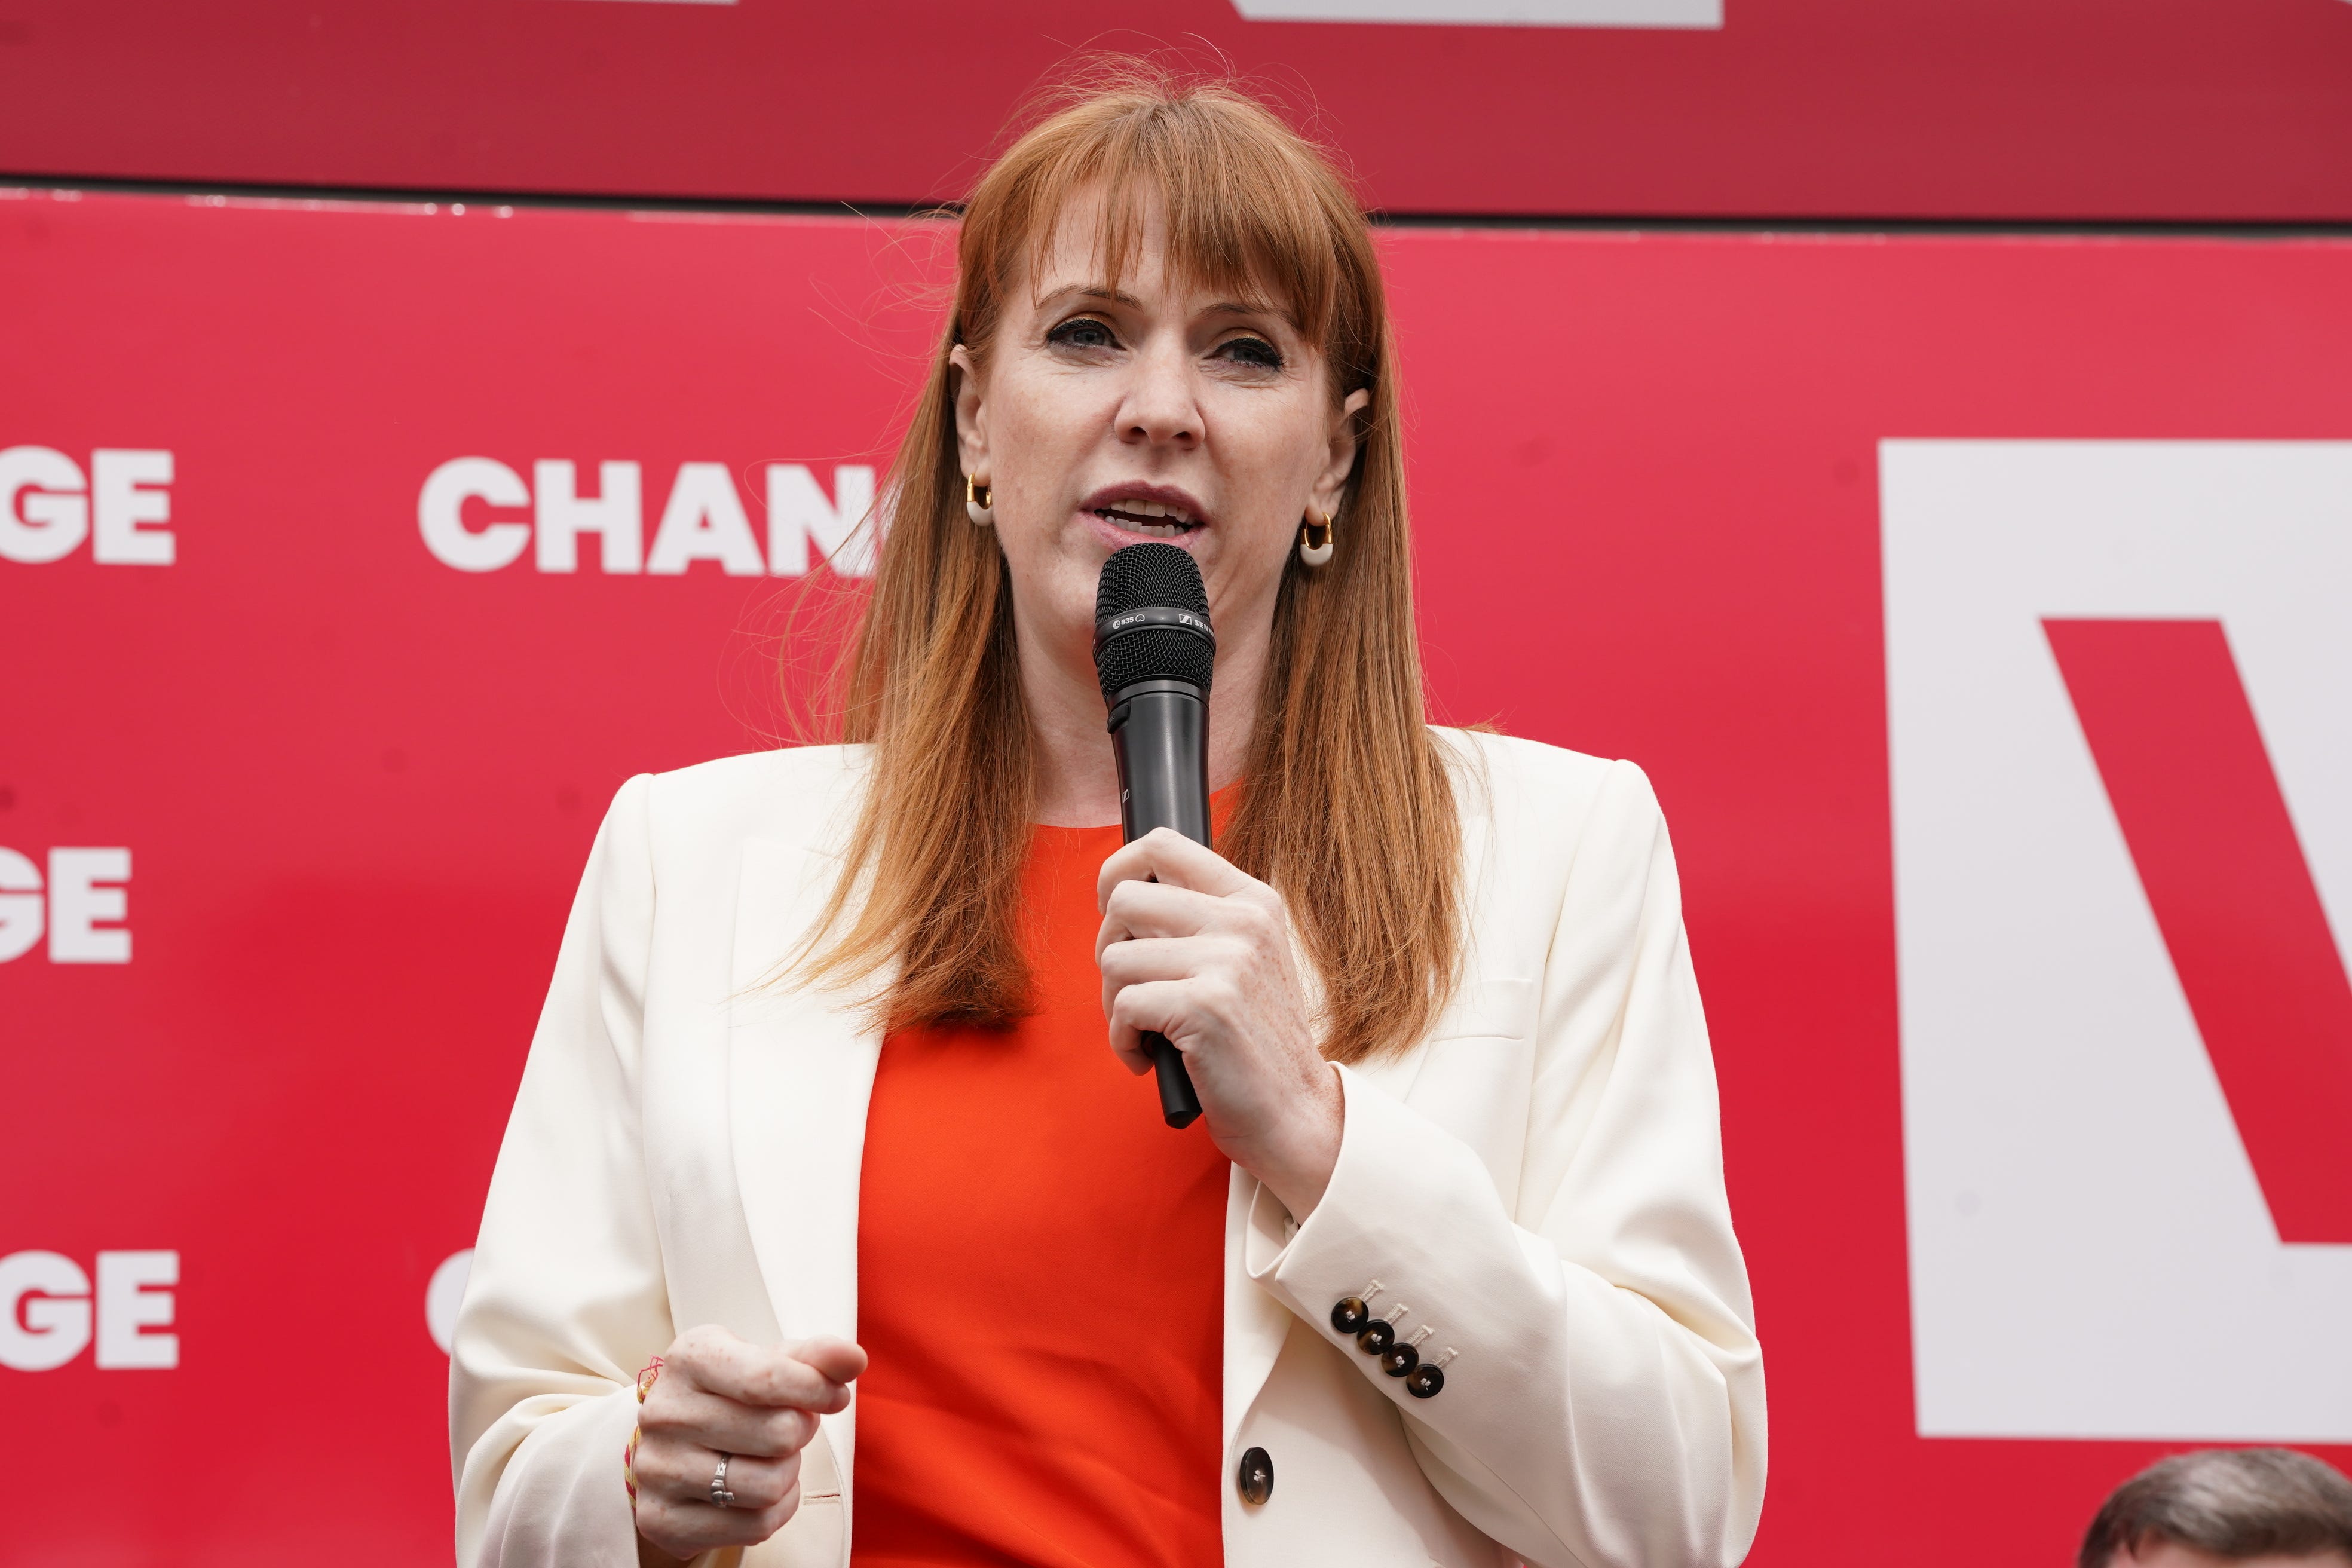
566	1298
1603	1396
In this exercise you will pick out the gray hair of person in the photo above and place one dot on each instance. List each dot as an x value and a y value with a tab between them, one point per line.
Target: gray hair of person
2231	1502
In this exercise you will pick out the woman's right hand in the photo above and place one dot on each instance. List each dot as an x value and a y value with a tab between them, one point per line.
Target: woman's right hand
757	1404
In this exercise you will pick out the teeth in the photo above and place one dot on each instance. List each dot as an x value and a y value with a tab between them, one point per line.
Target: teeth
1130	513
1136	506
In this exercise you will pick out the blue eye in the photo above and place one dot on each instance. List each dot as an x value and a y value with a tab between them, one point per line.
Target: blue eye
1251	351
1083	333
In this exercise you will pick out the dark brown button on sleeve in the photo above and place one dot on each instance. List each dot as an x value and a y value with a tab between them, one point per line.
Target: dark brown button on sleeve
1425	1382
1348	1315
1400	1360
1255	1477
1375	1337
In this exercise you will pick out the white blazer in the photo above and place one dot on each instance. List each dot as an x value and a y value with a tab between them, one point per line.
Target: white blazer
1539	1183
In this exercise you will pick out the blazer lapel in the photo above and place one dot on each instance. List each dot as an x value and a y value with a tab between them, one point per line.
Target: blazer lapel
801	1066
1254	1321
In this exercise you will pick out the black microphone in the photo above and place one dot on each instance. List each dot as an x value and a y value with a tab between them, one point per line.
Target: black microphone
1154	655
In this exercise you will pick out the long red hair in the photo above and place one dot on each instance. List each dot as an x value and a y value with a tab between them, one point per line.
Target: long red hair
1347	806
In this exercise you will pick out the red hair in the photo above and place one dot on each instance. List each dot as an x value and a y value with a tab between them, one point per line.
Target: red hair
1348	808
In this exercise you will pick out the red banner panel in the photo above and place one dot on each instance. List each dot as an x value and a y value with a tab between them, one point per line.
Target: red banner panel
2193	110
352	555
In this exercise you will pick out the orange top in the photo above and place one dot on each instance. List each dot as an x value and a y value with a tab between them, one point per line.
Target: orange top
1040	1275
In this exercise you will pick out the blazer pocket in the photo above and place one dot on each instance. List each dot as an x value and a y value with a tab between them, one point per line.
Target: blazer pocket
1475	1072
1487	1009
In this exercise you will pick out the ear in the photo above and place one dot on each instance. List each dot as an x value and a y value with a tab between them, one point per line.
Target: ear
1340	455
970	414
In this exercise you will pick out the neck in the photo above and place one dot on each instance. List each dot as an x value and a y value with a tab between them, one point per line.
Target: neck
1077	776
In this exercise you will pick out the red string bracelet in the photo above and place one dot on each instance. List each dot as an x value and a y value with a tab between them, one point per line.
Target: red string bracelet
629	1455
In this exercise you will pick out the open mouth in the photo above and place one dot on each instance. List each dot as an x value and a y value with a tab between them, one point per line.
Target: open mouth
1154	518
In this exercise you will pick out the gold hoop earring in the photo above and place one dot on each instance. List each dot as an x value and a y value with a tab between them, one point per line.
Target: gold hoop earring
1315	542
978	501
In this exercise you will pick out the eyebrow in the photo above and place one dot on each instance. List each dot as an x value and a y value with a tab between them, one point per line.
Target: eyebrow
1120	297
1085	291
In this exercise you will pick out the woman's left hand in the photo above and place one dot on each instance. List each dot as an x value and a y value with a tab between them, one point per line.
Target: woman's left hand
1196	950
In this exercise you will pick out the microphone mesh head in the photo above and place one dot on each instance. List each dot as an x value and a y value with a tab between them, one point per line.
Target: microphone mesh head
1143	576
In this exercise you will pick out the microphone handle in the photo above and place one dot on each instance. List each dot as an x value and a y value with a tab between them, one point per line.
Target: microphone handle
1178	1105
1161	733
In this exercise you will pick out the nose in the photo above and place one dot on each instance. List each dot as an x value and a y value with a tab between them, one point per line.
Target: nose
1160	408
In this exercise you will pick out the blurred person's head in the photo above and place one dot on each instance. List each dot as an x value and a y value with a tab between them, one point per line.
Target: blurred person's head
2247	1507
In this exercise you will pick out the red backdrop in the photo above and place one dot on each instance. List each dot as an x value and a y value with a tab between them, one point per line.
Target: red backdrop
2202	110
357	784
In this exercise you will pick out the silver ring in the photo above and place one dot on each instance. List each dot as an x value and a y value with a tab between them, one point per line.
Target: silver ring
718	1493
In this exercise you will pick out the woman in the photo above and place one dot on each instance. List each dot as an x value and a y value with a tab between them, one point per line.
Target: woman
821	1100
